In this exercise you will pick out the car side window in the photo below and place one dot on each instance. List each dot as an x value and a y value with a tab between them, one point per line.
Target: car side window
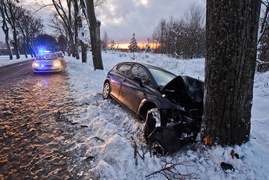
139	71
124	68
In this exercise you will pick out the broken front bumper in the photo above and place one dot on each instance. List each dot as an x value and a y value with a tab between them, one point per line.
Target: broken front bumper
177	128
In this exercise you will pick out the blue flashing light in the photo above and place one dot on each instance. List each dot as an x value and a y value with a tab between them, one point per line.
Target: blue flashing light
41	51
42	65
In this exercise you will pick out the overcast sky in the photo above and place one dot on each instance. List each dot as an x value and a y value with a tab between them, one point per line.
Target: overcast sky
121	18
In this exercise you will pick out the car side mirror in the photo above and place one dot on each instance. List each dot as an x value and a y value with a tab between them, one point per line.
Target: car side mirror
138	79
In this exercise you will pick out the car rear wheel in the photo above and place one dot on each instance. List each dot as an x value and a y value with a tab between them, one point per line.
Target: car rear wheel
106	91
153	120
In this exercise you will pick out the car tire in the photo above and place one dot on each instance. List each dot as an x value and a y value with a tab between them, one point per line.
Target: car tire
152	121
106	90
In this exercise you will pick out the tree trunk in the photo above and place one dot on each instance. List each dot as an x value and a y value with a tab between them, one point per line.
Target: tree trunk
76	38
5	29
80	32
15	43
83	52
231	32
25	47
95	36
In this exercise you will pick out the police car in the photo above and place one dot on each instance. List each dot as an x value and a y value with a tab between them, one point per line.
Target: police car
47	62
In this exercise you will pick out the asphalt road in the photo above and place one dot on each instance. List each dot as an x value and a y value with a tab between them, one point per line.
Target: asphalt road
11	73
33	127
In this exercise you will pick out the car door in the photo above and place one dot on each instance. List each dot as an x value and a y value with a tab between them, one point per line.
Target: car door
117	76
131	92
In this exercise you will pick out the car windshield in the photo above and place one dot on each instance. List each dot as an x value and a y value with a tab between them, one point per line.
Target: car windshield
59	54
161	77
46	57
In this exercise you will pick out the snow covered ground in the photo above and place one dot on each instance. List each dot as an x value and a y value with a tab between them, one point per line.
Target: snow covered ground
4	60
106	141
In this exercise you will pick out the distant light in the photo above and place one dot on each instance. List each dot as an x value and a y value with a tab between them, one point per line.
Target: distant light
42	65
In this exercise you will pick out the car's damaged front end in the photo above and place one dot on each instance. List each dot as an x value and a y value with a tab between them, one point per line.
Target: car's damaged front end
176	127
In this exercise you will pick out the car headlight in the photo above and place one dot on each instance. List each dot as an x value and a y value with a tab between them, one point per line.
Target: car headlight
35	64
57	64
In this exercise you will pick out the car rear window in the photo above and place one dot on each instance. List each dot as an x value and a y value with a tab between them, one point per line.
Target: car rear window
124	68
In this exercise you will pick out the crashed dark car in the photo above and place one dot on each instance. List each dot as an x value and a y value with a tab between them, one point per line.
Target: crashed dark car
170	105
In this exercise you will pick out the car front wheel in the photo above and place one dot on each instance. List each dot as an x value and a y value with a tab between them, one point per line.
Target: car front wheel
106	91
153	120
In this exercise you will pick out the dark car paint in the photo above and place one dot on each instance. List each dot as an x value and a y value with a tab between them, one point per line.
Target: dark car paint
140	95
180	100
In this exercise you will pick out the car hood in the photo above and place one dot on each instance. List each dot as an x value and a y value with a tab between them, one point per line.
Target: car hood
184	90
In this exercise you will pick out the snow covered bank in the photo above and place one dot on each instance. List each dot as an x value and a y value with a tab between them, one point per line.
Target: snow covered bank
4	60
110	129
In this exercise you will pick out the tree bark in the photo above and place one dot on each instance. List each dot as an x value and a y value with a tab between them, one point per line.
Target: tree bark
95	36
12	22
6	29
83	52
81	34
231	32
7	43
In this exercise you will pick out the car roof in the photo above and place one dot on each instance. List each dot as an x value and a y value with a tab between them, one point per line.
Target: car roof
145	65
46	53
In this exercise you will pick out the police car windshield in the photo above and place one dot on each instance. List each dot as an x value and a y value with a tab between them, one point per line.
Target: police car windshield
46	57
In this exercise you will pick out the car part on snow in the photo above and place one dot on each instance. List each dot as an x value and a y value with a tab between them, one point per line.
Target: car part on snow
177	129
226	167
166	140
153	120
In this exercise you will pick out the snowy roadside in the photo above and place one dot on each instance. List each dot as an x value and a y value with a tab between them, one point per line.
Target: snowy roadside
4	60
105	140
110	129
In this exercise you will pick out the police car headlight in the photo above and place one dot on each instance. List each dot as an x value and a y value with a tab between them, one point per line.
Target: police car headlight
35	64
57	64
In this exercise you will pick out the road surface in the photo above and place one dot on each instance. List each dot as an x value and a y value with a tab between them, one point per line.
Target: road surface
33	128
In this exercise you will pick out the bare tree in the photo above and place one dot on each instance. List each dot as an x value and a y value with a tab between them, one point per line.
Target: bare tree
195	29
67	17
184	38
231	27
94	27
59	28
105	41
35	28
28	31
22	25
80	32
160	35
265	19
264	36
5	28
11	16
